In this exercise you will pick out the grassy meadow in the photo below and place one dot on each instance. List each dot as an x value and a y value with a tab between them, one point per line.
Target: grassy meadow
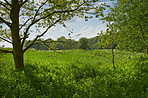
70	74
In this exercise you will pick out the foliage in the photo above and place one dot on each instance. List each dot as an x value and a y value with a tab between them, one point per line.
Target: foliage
49	74
130	19
83	43
2	54
62	43
108	40
93	42
18	19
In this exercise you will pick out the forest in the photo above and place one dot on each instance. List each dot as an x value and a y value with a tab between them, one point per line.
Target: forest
66	44
113	64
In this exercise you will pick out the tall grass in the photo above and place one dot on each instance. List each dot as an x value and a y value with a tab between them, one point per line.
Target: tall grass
69	74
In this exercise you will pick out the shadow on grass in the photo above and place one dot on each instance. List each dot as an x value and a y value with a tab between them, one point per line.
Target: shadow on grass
37	80
46	83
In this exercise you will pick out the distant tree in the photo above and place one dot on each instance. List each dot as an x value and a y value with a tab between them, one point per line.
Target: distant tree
83	43
93	42
62	39
53	46
71	44
61	43
38	45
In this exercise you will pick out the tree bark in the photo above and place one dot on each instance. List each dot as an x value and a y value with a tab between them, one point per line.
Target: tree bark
16	42
18	57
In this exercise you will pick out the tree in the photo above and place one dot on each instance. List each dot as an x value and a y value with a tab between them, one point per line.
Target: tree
108	40
130	18
93	42
71	44
83	43
20	18
61	39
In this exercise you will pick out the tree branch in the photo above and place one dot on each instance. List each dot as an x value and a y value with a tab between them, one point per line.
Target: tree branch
44	17
6	22
8	37
35	21
38	36
22	3
1	3
25	23
7	2
64	11
39	9
6	40
25	33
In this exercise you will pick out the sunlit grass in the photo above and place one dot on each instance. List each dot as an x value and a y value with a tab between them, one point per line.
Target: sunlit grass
69	74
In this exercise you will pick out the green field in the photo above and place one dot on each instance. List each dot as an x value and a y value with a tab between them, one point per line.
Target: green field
68	74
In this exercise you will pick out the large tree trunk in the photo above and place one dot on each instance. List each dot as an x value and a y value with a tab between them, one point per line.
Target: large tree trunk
18	56
17	47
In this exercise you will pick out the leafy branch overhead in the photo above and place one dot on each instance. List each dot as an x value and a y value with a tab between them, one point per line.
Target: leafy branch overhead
43	14
20	18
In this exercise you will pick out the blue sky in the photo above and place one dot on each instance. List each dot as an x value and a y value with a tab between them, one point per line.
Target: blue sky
79	27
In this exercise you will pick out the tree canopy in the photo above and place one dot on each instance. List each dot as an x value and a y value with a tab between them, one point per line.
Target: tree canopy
130	19
20	18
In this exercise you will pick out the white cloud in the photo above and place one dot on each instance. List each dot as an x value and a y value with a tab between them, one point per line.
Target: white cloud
74	21
106	2
62	30
87	31
100	27
56	32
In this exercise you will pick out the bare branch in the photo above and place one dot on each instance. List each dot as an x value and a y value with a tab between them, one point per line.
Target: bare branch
41	18
39	9
25	23
25	33
26	36
6	22
32	43
6	40
1	3
23	3
7	2
34	15
35	21
8	37
64	11
5	51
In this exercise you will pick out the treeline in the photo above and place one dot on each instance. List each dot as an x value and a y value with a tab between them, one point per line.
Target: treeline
62	43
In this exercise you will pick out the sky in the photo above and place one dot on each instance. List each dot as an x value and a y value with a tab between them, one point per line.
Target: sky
78	26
